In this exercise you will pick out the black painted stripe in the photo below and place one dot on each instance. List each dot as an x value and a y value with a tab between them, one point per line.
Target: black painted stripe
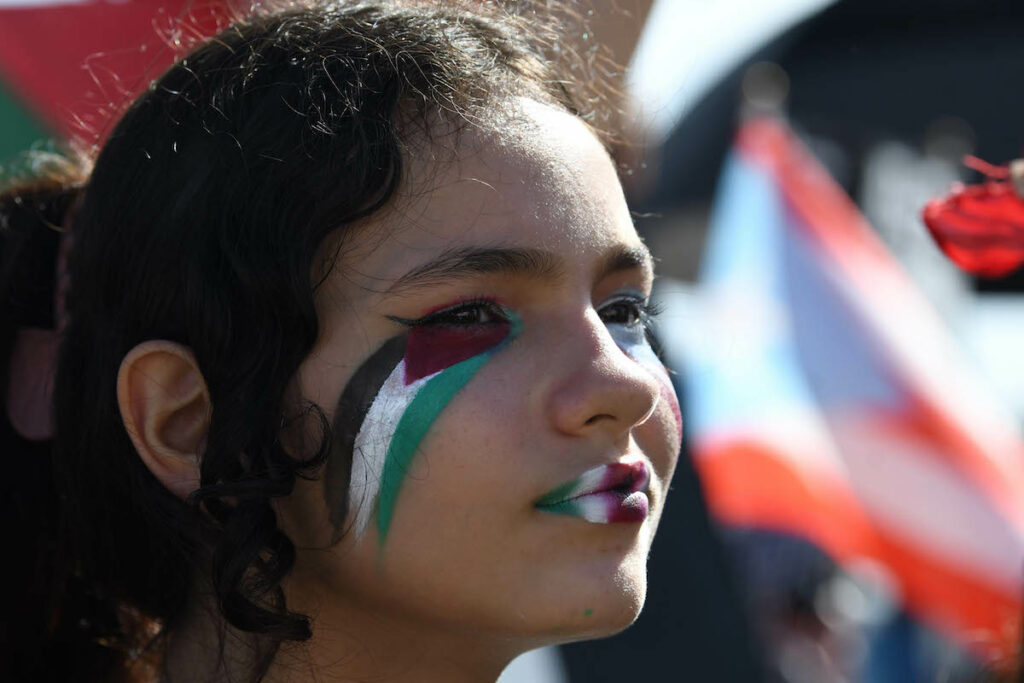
351	411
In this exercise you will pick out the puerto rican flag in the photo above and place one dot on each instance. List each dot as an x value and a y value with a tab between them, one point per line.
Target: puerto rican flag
827	400
67	67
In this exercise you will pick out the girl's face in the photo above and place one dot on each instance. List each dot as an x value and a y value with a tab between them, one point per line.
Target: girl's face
512	436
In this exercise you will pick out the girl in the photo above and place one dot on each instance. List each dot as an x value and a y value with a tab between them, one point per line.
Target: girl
346	333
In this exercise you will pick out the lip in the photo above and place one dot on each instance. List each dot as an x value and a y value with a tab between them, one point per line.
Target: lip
607	494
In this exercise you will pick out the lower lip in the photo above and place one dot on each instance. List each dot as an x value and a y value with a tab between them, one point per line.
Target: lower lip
605	507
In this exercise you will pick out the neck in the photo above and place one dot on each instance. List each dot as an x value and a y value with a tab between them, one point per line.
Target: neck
349	644
203	648
354	642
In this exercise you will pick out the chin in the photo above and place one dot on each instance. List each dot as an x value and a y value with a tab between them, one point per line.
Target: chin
601	621
618	610
592	606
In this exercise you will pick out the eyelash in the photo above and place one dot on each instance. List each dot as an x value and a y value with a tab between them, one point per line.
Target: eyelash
487	311
456	315
642	312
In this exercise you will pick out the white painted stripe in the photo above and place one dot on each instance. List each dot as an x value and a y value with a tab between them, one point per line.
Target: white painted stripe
588	481
593	509
372	441
634	344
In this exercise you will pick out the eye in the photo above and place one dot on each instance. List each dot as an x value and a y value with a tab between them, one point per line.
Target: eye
626	313
629	311
475	313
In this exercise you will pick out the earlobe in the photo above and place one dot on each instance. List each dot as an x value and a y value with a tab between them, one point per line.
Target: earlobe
165	407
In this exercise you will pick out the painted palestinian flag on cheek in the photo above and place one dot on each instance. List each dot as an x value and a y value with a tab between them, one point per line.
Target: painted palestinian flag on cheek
390	403
632	339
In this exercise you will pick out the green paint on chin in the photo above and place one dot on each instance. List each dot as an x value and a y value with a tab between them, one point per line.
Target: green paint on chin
411	429
588	612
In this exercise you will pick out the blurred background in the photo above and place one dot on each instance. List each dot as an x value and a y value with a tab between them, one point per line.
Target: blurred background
851	503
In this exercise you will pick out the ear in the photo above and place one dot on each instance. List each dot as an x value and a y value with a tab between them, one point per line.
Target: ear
166	410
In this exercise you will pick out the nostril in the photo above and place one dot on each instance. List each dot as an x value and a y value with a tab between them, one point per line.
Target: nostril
597	418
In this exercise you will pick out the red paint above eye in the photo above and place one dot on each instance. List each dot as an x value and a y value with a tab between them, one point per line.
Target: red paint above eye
429	349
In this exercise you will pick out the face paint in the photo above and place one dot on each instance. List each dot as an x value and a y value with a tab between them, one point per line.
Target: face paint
632	339
438	356
346	478
608	494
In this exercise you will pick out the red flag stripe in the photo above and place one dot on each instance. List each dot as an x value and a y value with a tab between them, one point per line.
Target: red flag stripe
750	483
828	513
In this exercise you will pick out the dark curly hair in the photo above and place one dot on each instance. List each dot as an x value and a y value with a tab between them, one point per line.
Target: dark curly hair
199	222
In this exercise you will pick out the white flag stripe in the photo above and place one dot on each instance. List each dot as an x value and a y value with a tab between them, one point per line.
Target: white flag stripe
908	489
371	444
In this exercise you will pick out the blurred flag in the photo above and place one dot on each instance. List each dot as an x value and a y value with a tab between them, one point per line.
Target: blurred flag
67	66
828	401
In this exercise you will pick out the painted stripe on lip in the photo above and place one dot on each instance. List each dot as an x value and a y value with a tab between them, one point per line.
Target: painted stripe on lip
604	507
619	477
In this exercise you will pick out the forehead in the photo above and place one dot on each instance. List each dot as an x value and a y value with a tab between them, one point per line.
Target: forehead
537	178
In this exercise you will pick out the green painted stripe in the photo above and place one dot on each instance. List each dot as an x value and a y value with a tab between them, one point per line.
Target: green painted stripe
416	421
559	495
20	130
562	507
411	429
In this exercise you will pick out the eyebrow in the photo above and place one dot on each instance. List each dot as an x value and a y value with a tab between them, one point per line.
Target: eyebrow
527	262
468	262
623	257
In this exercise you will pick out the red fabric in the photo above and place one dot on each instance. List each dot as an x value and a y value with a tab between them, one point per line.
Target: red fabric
980	227
76	65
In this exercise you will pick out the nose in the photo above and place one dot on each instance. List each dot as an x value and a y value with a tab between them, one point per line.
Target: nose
599	389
